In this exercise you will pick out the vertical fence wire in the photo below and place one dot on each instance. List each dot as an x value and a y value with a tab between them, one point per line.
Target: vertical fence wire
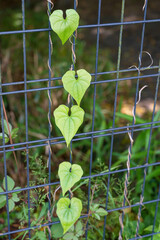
93	114
147	158
115	105
136	97
26	112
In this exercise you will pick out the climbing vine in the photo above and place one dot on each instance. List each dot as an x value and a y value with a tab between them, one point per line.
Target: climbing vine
69	118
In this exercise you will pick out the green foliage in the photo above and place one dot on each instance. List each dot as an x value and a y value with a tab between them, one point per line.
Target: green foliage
76	86
68	125
64	27
68	212
97	211
9	131
13	197
130	228
69	175
149	230
57	229
75	232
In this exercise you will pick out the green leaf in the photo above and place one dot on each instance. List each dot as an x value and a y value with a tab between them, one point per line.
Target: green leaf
64	27
6	139
1	190
2	199
68	125
94	207
80	233
79	226
15	198
68	236
41	235
79	229
14	132
57	230
75	238
2	204
76	87
16	189
11	204
69	174
6	127
68	212
95	215
10	183
101	212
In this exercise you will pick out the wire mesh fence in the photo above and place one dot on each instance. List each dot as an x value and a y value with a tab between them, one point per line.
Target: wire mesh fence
134	73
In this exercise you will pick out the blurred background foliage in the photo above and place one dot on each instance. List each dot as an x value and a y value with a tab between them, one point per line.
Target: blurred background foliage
11	57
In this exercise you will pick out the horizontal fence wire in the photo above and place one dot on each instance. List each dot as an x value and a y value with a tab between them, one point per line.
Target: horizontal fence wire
93	134
83	26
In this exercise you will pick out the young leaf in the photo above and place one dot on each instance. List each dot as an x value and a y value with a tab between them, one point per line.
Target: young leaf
101	212
11	204
79	226
69	175
10	183
79	229
68	236
96	216
6	139
15	198
75	238
2	204
64	27
41	235
14	132
6	127
68	125
16	188
68	212
2	199
76	87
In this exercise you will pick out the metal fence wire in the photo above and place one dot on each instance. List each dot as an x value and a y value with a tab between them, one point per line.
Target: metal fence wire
113	131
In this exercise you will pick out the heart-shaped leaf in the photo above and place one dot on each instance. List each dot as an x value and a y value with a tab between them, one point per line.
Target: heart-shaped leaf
64	27
68	212
69	174
68	124
76	86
